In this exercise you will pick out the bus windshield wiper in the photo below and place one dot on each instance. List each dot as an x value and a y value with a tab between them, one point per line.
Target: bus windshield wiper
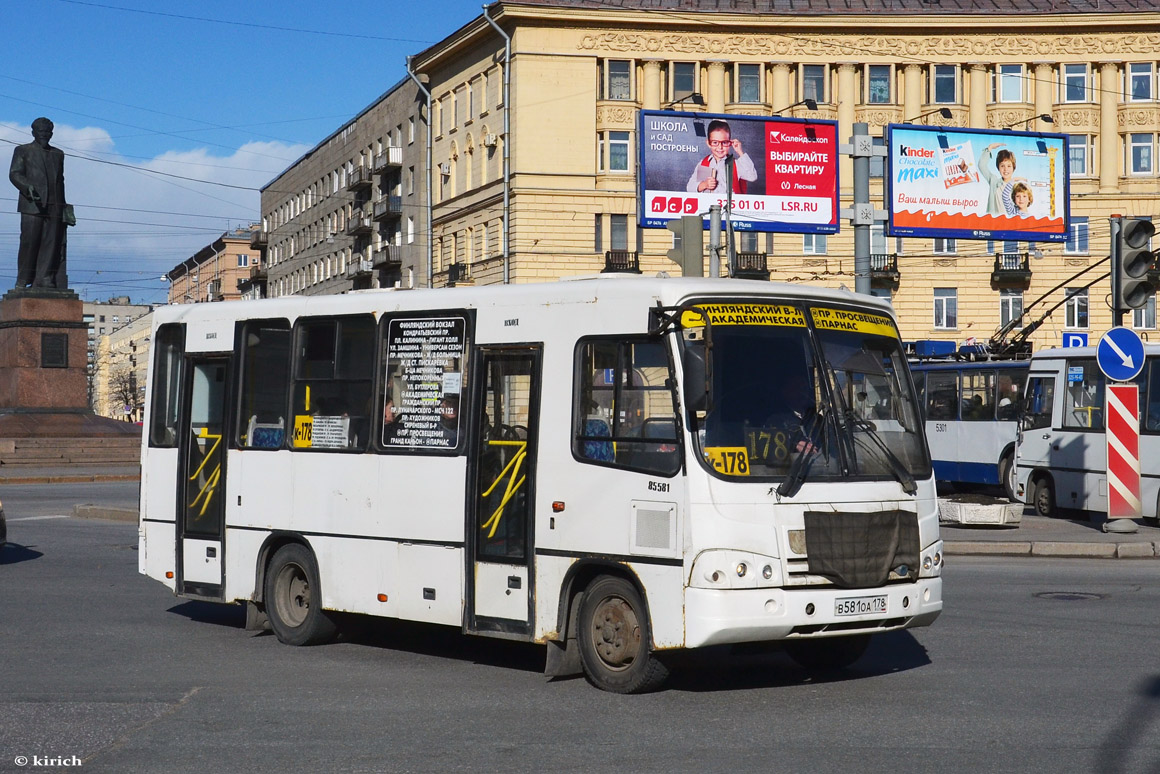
800	467
900	472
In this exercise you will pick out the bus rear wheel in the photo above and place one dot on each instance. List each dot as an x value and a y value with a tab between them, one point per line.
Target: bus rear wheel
1043	498
828	654
614	639
293	599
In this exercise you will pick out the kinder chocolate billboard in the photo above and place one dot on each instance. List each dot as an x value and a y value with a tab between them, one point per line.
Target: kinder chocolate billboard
977	184
784	173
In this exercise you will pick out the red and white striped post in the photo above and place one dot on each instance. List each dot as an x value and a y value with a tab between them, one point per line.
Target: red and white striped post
1123	434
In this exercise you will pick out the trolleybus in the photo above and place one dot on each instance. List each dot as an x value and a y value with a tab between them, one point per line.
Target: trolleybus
616	467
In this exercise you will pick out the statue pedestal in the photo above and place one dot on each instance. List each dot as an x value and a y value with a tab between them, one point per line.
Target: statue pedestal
43	351
45	419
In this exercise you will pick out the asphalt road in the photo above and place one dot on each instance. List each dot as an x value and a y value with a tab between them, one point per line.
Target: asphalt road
1036	665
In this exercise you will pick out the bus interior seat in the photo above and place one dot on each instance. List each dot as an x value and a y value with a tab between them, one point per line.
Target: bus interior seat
265	435
598	450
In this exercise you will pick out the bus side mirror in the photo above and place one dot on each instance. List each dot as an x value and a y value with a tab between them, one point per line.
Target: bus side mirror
696	384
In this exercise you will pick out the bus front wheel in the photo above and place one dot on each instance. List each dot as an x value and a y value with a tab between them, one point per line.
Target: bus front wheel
829	654
293	601
614	639
1043	498
1007	475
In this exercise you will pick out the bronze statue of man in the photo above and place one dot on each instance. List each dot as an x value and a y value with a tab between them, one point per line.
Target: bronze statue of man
38	173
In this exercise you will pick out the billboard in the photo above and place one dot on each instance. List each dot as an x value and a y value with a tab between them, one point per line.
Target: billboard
785	173
976	184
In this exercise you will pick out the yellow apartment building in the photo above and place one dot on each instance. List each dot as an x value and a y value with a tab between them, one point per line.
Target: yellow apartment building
535	108
213	273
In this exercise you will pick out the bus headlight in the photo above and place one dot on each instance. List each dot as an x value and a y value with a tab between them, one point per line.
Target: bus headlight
725	569
932	561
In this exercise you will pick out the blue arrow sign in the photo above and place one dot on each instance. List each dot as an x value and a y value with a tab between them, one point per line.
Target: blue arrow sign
1120	354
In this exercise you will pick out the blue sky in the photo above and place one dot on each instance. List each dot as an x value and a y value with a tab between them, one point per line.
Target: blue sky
227	92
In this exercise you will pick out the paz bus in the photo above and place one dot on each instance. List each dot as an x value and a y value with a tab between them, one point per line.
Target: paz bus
615	467
1061	456
971	411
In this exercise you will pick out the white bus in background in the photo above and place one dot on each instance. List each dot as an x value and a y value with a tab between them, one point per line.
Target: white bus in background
1061	454
971	411
615	467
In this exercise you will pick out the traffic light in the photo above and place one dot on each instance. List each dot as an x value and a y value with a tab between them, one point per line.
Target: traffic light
690	254
1135	258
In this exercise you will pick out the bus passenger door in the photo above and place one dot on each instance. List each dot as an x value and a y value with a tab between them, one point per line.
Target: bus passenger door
502	477
201	491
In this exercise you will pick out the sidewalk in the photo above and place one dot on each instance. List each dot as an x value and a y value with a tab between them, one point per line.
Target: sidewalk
1034	536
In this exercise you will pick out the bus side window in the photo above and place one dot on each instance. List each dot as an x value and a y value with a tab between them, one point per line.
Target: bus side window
1084	404
1150	397
1037	406
333	368
264	384
168	358
1010	385
942	395
624	412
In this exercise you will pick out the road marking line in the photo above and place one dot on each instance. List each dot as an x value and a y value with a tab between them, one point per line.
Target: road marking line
38	518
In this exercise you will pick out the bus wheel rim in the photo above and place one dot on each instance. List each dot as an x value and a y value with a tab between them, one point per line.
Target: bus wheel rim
294	595
616	633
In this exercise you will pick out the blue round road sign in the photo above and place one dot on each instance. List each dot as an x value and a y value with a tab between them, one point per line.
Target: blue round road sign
1120	354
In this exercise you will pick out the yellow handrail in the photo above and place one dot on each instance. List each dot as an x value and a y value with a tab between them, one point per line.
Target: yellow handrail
211	481
513	486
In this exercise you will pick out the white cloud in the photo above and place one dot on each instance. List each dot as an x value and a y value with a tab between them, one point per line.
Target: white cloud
133	226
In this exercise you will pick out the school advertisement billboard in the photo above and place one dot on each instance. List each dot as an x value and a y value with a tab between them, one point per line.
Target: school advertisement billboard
976	184
784	174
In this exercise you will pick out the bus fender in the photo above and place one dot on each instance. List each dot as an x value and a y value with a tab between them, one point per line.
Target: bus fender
563	656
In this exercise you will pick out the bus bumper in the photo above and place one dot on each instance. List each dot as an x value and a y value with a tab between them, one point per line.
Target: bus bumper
723	616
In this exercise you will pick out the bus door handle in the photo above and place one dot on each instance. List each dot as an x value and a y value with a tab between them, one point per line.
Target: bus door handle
1046	436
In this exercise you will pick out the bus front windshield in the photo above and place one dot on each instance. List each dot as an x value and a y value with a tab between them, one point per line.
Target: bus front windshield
787	400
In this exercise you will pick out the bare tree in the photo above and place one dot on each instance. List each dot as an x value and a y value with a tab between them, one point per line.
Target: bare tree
123	388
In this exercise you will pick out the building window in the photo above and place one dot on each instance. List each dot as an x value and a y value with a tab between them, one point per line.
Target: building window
618	232
1140	153
1007	85
814	82
1077	236
243	261
814	244
1074	83
598	233
748	242
944	246
884	293
411	129
878	84
410	230
1144	318
1010	305
600	153
1140	84
877	163
748	83
684	79
946	313
619	79
1076	308
410	181
618	151
1078	152
943	82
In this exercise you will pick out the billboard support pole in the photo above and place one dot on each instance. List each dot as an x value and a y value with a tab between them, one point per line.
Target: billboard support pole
715	240
863	209
731	247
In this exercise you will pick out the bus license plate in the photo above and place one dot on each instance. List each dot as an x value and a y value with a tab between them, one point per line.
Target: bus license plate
860	605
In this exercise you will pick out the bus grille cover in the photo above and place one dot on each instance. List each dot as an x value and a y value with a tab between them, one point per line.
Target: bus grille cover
858	550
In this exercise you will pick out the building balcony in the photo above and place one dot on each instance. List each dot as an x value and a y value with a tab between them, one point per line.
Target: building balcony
258	240
359	267
388	256
621	262
884	267
359	178
359	223
390	157
751	266
1011	268
458	274
388	207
